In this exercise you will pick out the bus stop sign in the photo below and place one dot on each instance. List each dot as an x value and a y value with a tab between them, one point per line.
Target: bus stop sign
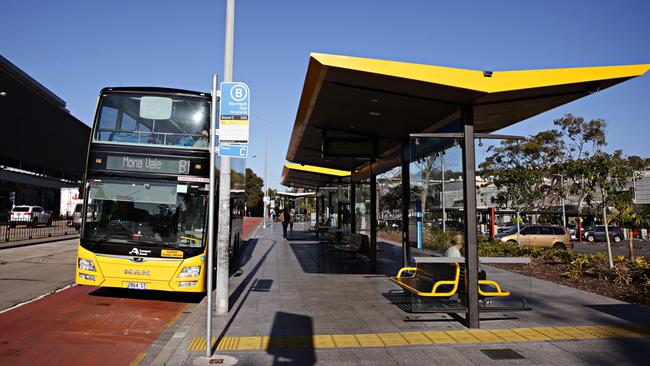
233	151
234	112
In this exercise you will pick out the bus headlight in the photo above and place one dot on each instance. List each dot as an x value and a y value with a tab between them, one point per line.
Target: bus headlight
86	265
192	271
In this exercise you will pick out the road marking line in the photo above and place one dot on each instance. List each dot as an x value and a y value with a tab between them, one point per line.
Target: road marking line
137	359
14	307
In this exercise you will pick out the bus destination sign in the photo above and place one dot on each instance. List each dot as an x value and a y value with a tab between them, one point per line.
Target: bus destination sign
148	164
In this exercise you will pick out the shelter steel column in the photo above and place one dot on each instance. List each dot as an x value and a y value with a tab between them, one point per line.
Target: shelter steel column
406	199
339	194
373	218
353	207
469	202
317	213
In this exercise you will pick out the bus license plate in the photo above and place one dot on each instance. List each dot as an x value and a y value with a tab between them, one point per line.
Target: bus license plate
136	285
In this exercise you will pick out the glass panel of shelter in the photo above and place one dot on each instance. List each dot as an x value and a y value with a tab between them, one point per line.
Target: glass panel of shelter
436	194
436	213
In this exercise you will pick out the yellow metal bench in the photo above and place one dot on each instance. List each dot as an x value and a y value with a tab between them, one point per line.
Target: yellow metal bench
431	279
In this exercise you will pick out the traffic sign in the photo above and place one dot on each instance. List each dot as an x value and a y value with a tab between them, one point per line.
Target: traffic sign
234	112
233	151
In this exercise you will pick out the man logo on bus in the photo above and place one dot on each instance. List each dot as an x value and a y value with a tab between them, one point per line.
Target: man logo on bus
137	251
238	93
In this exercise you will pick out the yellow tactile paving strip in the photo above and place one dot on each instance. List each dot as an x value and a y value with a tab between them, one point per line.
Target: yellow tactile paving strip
419	338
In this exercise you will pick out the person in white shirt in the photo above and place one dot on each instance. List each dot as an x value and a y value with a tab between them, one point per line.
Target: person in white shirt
456	245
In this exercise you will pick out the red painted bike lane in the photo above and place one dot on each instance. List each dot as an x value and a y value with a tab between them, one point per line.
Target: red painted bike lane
86	326
250	224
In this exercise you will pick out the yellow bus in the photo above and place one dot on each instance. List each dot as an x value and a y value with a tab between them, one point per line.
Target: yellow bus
146	187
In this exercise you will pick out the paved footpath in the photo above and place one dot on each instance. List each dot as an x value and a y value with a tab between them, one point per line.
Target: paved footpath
294	302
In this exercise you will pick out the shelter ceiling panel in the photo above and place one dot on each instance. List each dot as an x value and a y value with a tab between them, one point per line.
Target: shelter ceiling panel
495	116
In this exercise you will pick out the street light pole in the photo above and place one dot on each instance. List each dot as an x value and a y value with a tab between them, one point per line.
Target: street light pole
442	198
266	168
223	244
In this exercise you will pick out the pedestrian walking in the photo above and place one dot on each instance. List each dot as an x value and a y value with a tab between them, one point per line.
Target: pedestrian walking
292	218
284	219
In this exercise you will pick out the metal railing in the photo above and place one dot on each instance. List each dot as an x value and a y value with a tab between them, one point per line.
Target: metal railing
26	230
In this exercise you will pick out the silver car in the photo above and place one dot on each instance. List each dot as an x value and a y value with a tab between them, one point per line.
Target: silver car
29	216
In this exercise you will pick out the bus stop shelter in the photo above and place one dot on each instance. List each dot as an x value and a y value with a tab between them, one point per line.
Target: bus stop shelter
367	116
315	178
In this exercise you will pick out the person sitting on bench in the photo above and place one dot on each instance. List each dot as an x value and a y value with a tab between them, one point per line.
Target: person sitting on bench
455	246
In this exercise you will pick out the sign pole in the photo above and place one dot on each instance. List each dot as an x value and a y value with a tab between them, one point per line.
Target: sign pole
210	265
223	227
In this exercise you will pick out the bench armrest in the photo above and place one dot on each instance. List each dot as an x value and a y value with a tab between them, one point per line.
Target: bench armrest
399	274
448	293
498	291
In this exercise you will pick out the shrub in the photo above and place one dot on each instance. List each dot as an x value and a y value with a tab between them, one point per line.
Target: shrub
438	240
498	249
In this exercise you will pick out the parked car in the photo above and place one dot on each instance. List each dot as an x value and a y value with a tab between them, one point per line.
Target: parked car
30	216
76	215
450	224
506	226
597	233
545	236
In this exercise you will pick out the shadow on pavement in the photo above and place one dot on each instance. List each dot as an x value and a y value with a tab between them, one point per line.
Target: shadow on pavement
295	349
148	295
632	313
235	295
320	257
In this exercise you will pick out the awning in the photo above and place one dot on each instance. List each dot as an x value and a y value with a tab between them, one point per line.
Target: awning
307	176
376	104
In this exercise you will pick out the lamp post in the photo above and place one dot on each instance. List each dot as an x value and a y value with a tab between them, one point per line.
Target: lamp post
266	171
563	205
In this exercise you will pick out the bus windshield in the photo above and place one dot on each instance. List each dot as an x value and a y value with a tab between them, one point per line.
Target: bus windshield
158	214
147	119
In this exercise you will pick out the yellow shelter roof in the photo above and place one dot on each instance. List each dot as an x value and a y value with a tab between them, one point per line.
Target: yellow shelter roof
385	101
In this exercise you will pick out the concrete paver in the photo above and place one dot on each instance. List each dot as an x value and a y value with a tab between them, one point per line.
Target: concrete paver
295	302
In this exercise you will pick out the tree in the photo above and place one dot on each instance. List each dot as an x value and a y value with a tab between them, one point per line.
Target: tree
392	200
426	170
636	162
609	177
254	193
628	218
520	170
583	139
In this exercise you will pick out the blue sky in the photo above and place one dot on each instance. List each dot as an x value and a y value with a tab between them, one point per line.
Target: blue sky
77	47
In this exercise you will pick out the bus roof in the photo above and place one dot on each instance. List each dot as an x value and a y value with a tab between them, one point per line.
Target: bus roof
151	89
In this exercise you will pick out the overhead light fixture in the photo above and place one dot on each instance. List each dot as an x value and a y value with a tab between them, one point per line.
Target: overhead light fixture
3	94
374	114
374	100
352	127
